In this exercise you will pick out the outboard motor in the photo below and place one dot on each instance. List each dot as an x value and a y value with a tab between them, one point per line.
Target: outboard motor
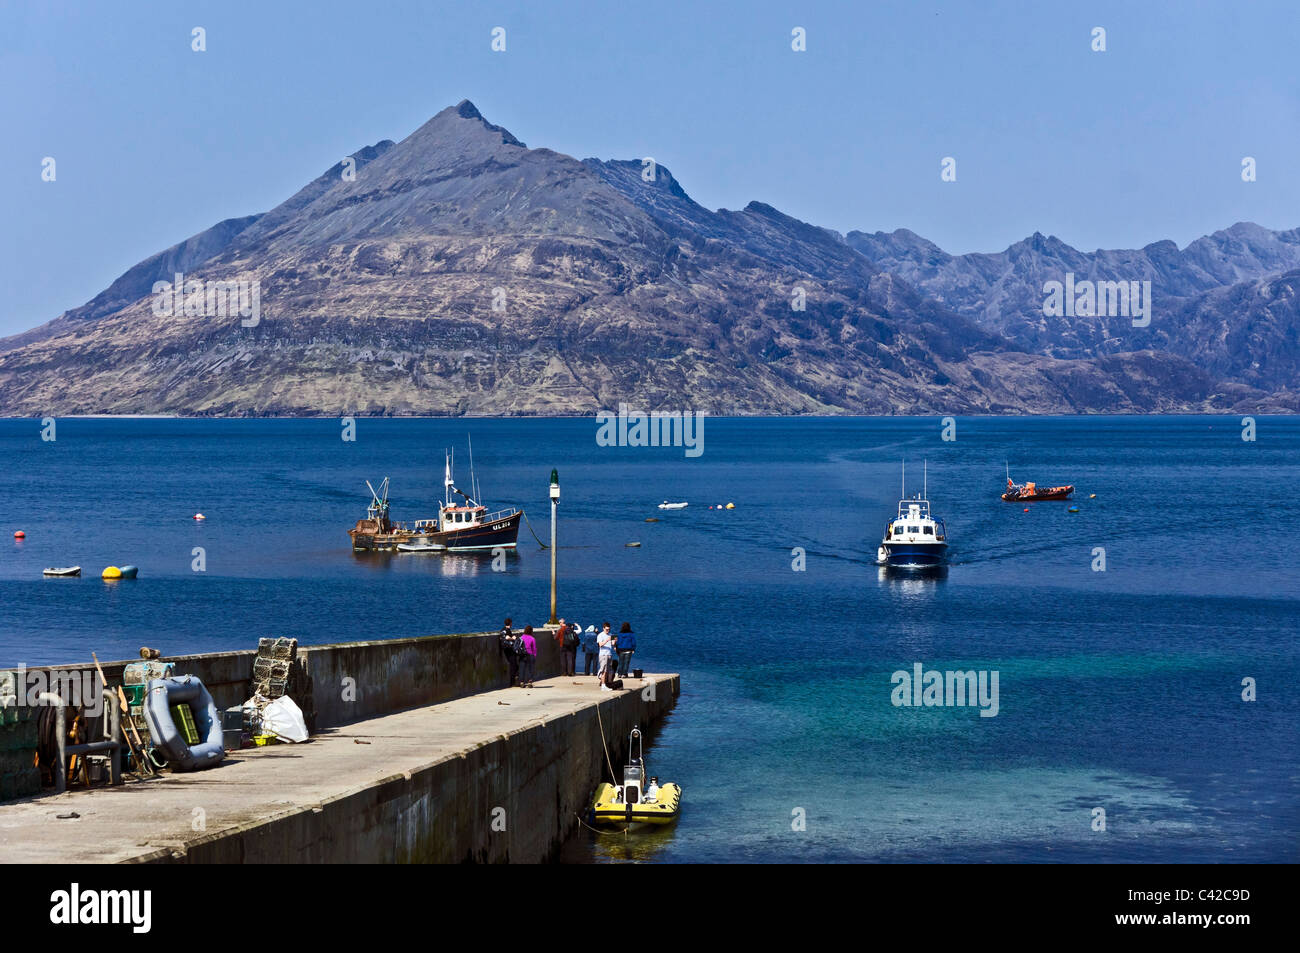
633	783
633	773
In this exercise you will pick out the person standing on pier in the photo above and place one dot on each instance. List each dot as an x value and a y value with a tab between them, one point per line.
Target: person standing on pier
608	660
626	646
566	636
590	651
527	658
509	644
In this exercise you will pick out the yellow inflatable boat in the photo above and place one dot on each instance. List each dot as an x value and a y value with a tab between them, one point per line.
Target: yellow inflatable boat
637	800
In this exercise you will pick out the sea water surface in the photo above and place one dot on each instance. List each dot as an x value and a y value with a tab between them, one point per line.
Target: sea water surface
1119	690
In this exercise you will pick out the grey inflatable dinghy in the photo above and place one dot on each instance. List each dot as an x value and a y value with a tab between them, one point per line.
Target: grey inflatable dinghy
163	693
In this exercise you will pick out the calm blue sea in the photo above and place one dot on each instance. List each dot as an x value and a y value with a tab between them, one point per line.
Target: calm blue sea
1118	690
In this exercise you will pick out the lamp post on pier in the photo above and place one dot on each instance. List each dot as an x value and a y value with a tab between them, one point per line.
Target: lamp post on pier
555	502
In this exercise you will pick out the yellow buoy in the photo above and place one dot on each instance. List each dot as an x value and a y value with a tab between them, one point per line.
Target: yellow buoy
731	506
111	572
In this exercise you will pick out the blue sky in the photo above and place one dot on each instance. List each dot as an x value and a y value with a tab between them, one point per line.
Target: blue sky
154	142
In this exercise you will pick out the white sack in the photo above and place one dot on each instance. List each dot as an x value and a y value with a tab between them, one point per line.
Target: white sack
283	719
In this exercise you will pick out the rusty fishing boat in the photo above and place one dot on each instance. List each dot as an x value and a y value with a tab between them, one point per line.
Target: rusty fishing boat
460	526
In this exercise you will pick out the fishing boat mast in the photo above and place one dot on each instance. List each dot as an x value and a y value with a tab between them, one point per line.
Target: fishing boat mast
378	508
473	481
446	479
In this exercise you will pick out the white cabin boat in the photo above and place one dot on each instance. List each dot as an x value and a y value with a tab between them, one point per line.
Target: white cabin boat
914	539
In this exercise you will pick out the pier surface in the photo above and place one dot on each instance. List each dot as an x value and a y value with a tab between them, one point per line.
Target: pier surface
500	775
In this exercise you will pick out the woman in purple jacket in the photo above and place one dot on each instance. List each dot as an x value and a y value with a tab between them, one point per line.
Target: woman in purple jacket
528	658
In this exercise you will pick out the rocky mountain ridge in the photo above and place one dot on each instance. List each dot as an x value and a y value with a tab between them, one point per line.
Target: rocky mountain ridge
460	272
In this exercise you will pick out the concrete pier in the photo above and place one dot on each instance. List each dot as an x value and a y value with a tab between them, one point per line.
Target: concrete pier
499	775
419	753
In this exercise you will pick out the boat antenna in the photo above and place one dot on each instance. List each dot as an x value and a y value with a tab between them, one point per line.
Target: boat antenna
925	480
473	483
904	495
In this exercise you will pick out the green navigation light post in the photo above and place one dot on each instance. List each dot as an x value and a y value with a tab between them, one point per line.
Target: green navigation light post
555	502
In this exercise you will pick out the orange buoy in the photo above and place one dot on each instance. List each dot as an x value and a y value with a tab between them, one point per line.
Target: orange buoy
19	534
1026	509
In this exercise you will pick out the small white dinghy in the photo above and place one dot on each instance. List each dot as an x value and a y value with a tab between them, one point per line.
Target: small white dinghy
62	571
665	505
421	548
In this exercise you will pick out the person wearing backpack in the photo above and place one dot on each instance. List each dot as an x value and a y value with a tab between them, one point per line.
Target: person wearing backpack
568	639
626	646
590	652
509	645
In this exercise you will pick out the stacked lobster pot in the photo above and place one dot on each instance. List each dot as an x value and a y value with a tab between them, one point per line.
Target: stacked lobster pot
273	665
277	674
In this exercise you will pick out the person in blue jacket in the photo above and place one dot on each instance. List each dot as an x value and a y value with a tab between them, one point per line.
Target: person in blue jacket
626	646
590	651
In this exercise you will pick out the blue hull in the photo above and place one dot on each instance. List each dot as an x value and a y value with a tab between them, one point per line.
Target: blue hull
914	554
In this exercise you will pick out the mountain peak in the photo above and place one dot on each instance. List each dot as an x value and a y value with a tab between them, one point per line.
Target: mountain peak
466	112
1039	243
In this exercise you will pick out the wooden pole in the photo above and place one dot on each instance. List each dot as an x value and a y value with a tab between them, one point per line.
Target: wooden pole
136	746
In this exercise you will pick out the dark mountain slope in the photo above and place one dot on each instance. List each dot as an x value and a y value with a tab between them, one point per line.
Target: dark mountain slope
461	272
